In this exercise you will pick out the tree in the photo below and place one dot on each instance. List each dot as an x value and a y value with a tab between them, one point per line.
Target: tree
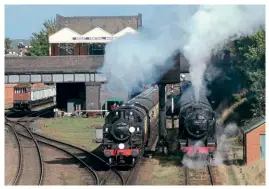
40	41
251	63
242	79
7	44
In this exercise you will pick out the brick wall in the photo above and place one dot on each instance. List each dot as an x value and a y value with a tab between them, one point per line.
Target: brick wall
253	144
9	94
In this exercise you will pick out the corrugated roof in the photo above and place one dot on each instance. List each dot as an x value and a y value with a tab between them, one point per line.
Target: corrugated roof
53	64
111	24
253	124
66	64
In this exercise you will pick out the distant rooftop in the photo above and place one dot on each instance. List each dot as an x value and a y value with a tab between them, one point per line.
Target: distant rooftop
111	24
15	42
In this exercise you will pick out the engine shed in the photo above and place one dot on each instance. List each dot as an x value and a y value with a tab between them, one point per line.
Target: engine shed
254	140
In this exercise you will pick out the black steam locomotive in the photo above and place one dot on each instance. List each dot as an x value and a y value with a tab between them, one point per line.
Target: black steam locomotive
127	131
196	124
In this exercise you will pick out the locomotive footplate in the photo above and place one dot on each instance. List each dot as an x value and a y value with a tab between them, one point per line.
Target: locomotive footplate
193	149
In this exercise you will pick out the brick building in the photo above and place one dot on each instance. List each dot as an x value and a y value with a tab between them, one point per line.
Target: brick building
89	35
9	94
254	140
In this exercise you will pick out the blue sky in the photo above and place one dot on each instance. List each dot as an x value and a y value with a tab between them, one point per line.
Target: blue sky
22	20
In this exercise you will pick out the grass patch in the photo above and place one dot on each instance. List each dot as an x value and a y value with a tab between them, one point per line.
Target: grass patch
78	131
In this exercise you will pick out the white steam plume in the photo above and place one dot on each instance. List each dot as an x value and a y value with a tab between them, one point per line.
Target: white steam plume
196	31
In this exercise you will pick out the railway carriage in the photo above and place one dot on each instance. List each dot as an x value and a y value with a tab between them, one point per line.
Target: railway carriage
27	97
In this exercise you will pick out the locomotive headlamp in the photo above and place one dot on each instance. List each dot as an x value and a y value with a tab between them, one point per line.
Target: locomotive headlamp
132	129
121	146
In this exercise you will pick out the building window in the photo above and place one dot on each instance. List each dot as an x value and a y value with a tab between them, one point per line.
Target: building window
97	49
66	49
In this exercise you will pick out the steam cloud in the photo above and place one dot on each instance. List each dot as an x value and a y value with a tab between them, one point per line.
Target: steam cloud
195	31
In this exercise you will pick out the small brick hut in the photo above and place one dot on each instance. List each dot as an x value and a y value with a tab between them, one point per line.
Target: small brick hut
254	140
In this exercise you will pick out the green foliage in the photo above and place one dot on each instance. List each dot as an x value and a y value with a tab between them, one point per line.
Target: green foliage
40	41
250	63
243	76
75	130
7	44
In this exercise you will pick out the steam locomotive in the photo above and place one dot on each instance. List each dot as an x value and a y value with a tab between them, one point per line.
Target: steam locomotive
128	130
196	125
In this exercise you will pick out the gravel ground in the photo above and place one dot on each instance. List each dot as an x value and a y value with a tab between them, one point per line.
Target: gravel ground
11	157
237	174
159	172
30	163
62	169
59	168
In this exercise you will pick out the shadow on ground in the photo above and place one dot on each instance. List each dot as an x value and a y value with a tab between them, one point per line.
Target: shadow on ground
89	159
20	114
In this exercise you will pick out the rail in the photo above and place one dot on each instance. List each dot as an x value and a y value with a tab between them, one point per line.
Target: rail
189	180
15	181
40	139
83	150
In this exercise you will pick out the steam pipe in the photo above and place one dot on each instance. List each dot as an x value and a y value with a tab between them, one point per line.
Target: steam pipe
162	114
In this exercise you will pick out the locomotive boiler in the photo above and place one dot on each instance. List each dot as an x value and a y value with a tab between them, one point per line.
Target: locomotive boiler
129	129
196	125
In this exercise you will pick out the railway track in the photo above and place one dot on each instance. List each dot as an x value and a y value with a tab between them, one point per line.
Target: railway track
29	158
128	176
81	155
203	176
19	155
27	172
131	178
99	166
